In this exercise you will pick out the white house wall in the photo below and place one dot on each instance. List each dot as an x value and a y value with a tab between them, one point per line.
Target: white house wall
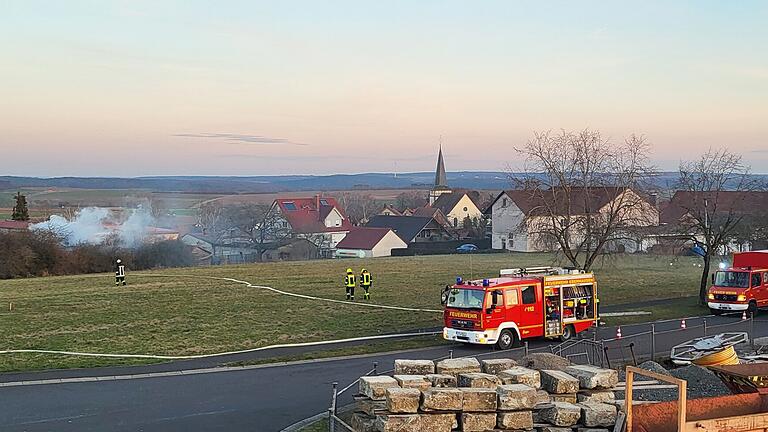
459	214
507	223
386	244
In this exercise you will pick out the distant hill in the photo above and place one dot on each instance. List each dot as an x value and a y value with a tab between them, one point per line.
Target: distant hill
488	180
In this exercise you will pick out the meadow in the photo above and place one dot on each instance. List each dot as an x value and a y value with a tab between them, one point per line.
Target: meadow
176	312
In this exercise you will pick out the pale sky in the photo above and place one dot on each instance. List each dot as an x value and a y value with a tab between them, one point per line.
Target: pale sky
129	88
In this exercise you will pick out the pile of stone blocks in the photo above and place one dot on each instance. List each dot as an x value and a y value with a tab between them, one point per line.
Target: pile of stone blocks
489	395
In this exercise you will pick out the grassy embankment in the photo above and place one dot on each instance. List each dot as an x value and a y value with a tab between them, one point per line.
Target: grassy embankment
181	315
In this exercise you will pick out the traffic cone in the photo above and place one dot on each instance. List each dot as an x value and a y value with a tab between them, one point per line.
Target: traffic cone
744	315
682	324
618	333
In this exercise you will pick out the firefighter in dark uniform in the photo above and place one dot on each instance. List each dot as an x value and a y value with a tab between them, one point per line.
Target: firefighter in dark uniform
349	283
119	273
366	281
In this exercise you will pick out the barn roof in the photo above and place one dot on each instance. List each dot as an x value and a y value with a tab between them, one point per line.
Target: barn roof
365	238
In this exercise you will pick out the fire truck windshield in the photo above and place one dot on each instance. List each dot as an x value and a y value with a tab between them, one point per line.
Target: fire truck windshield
466	299
732	279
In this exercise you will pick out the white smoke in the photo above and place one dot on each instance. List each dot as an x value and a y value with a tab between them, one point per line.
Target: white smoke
95	225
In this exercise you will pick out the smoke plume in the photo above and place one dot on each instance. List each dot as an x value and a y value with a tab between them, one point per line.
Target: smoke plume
96	225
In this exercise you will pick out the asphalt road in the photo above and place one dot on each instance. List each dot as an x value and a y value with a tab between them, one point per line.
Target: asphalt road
254	399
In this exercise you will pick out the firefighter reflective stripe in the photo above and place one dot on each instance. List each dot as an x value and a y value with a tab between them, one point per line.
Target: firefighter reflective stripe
350	280
365	279
121	270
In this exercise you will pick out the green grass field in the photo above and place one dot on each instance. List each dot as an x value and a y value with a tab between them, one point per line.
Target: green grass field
182	315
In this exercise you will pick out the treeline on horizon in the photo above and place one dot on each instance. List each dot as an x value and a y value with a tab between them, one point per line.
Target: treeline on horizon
41	253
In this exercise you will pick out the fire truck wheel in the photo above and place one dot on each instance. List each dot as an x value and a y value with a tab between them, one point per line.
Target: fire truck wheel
507	339
568	333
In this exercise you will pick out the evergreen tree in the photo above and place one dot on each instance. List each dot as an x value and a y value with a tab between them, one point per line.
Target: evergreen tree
20	210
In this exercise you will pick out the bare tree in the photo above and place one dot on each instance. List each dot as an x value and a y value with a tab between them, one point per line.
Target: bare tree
211	216
584	192
717	186
263	226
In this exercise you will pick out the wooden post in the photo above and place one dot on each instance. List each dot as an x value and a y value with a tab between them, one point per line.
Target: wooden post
628	397
682	385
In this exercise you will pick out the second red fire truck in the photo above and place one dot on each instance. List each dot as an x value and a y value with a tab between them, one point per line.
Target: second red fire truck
743	286
521	303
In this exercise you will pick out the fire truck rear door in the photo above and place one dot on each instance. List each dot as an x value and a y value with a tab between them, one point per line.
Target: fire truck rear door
531	322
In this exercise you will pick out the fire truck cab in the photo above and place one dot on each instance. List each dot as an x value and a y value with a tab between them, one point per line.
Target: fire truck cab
524	303
743	286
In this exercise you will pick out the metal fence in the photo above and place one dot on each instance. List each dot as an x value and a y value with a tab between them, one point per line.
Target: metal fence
632	349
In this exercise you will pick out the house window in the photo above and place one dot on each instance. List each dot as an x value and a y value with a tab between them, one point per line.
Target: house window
323	202
465	209
455	222
503	202
290	205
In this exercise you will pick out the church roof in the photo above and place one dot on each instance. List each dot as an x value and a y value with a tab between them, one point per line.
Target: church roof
441	181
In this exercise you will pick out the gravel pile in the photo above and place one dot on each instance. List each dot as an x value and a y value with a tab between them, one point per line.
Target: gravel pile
650	366
701	383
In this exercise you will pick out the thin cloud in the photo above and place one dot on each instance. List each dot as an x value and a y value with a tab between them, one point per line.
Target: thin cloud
241	138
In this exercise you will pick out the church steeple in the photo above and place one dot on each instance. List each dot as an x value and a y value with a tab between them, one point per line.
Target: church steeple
441	181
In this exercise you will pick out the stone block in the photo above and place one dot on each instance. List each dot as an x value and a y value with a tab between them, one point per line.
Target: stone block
371	407
458	366
375	387
442	399
561	414
592	430
494	366
597	414
521	375
517	420
440	380
514	397
478	380
415	422
558	382
362	422
478	399
403	400
542	397
477	422
596	396
414	367
553	429
540	361
413	381
591	377
570	398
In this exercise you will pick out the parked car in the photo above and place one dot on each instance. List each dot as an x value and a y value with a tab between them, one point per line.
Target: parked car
467	247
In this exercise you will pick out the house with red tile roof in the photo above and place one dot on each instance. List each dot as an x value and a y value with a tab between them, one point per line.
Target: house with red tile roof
367	242
318	219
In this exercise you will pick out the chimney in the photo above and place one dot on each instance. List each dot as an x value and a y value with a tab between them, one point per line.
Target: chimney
317	206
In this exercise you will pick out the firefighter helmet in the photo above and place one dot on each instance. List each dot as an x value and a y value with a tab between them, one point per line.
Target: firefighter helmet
118	261
363	271
349	270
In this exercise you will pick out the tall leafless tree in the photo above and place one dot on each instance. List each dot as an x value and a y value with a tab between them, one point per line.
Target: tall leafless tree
586	191
716	184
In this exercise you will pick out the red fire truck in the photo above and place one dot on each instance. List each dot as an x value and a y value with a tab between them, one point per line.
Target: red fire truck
743	286
521	303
